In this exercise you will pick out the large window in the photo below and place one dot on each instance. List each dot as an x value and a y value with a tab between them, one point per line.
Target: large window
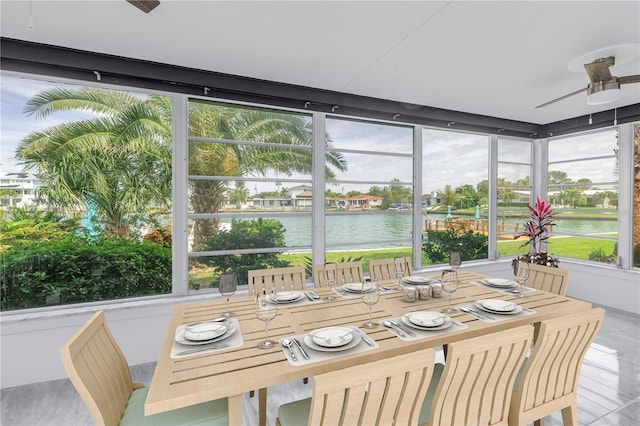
455	200
514	188
249	182
583	188
89	196
85	194
369	199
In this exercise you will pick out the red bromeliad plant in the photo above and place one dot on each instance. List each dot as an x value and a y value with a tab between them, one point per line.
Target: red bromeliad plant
537	230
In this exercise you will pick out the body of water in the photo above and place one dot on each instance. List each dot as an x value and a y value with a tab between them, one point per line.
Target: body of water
357	228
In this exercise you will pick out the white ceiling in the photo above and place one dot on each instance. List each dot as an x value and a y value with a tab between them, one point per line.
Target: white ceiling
497	58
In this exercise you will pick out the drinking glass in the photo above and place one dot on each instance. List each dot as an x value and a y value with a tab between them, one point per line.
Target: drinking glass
370	297
266	310
455	260
227	287
520	273
449	285
398	268
330	276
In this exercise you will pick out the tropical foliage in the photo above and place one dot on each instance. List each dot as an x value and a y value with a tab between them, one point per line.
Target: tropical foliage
247	234
76	270
536	229
437	245
115	164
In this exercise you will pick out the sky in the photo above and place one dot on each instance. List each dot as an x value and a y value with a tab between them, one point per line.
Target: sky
449	158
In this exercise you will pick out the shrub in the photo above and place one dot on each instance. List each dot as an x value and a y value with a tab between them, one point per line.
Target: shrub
438	244
247	234
75	270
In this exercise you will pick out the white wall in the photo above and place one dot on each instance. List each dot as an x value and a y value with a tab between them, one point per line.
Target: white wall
29	343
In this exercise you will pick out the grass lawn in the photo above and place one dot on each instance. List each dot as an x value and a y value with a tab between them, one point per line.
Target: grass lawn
573	247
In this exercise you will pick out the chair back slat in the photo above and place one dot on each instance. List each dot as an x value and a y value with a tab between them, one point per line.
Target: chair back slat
280	279
553	280
98	370
477	380
388	391
348	272
549	379
383	270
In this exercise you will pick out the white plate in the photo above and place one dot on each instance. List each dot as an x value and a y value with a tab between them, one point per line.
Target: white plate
204	331
357	287
286	297
516	310
425	318
499	282
355	340
231	328
446	324
497	305
416	279
332	337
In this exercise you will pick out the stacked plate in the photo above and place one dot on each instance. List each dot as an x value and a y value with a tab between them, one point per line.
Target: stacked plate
417	280
499	283
358	287
205	332
497	306
426	320
332	339
287	297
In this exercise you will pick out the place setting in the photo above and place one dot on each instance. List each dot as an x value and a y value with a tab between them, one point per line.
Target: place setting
493	310
325	343
220	333
293	297
502	285
420	324
356	289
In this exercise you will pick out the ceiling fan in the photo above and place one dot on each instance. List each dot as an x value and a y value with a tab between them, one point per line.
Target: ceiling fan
145	5
603	87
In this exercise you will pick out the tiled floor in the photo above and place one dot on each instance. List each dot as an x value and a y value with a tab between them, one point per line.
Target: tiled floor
609	392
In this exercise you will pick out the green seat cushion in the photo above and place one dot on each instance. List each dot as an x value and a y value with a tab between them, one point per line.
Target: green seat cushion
425	412
212	413
295	413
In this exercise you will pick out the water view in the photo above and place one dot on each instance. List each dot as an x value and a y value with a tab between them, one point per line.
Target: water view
358	228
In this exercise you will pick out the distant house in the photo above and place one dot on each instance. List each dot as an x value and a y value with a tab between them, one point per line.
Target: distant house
23	185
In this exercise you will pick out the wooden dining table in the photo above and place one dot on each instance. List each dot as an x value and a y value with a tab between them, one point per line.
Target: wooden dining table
231	372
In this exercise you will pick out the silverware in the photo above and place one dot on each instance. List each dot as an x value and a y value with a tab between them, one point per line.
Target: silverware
390	325
208	348
456	322
302	351
405	329
315	296
220	319
309	296
287	344
366	338
476	313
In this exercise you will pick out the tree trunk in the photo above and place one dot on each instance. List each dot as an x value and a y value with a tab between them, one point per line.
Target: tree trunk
206	197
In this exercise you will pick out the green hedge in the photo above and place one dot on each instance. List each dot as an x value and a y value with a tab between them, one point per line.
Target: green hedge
75	270
437	245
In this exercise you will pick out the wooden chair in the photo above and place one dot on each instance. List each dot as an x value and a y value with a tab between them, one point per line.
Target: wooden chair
384	392
553	280
383	270
549	379
100	373
285	279
474	386
348	272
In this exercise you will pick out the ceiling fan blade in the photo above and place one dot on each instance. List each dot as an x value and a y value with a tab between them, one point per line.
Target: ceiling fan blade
629	79
145	5
562	97
599	70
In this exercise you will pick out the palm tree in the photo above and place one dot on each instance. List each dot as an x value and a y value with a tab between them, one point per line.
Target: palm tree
118	160
217	121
